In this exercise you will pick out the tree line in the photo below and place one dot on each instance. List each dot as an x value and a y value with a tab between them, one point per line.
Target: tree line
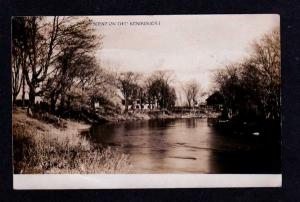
251	89
52	55
54	58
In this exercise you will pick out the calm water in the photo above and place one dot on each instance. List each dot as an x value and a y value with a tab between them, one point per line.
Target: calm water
187	146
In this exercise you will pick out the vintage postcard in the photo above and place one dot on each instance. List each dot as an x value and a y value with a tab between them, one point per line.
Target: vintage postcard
162	101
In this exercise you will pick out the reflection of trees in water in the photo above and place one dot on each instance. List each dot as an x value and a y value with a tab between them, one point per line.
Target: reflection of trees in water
161	123
134	125
190	123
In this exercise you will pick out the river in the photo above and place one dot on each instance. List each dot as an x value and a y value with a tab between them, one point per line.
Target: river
187	146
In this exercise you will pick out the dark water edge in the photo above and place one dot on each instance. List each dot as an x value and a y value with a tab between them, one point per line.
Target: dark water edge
264	161
192	146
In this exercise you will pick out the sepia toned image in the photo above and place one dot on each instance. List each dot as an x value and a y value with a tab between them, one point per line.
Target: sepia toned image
173	94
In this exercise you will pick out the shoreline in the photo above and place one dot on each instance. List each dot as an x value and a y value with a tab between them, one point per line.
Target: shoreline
153	115
41	147
48	144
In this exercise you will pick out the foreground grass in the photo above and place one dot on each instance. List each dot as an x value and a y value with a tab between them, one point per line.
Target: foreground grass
43	148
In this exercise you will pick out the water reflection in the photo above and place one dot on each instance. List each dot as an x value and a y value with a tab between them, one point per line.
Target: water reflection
163	123
176	146
191	123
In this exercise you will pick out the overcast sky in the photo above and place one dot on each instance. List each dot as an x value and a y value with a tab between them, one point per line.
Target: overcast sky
191	46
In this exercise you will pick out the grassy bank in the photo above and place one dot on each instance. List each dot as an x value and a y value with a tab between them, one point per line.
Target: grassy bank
147	115
40	147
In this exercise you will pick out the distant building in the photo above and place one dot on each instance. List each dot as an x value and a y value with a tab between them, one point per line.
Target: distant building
215	101
136	104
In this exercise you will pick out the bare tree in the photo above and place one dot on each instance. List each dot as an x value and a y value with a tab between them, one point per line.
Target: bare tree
38	41
229	83
74	62
17	77
18	56
192	92
102	85
254	83
159	90
266	60
128	84
165	75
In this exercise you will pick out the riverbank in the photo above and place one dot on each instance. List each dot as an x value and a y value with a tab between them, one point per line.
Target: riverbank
40	147
155	114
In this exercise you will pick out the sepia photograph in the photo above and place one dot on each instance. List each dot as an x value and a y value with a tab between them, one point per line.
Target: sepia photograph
160	94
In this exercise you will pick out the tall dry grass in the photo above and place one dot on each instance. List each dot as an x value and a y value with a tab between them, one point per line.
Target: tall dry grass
39	147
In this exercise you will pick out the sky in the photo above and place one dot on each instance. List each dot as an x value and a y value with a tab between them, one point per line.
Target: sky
190	46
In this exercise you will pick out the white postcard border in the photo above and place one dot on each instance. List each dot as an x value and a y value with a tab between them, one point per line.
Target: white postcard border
139	181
